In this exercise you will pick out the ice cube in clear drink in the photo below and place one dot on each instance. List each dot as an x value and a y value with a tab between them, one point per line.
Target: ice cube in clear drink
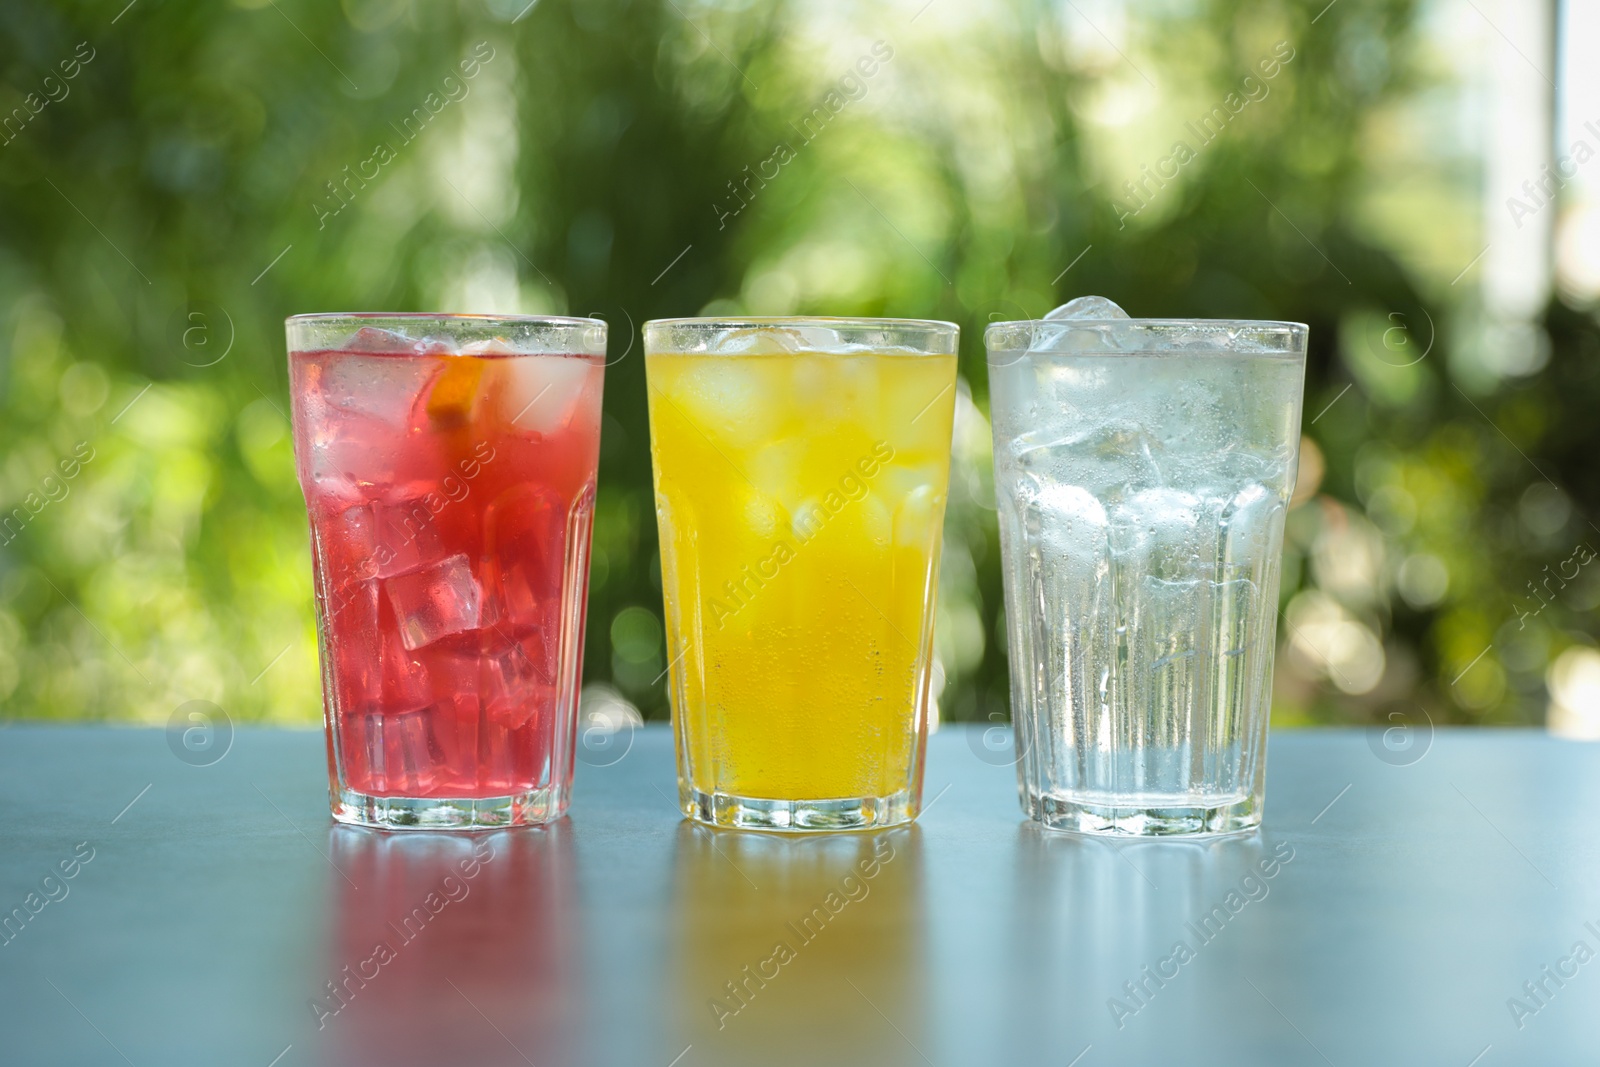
1157	531
1087	307
1112	460
1068	522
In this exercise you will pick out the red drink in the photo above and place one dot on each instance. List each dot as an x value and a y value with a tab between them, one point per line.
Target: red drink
448	465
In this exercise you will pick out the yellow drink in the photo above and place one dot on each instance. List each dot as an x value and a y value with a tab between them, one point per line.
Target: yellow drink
800	496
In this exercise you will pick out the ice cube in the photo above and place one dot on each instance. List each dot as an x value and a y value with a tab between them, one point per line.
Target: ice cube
808	519
916	519
774	468
372	339
518	678
524	556
1250	522
436	601
825	339
1087	307
875	520
355	411
1047	337
380	539
1067	520
402	680
339	542
406	533
1168	618
1112	460
373	666
494	346
380	387
758	341
1157	532
540	394
403	754
350	618
337	466
762	515
731	401
871	383
1236	466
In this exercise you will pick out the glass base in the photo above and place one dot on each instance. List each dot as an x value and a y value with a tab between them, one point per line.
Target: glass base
1200	820
533	808
797	816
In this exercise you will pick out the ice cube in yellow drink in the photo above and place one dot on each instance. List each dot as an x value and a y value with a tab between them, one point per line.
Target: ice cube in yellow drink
800	496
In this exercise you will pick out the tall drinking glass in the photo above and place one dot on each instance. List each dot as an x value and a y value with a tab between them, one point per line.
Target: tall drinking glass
448	465
1144	467
801	468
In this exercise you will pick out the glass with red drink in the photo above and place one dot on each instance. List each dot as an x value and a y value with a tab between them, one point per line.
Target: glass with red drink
448	465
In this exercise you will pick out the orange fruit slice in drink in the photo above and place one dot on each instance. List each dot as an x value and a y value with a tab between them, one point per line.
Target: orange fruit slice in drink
455	391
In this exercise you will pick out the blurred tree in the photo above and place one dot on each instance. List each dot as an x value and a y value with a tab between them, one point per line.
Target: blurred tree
207	171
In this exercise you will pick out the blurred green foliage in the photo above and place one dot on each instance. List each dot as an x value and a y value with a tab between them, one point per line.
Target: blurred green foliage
213	168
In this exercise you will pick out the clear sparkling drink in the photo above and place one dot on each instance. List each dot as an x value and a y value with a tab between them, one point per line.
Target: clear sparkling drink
1144	468
448	465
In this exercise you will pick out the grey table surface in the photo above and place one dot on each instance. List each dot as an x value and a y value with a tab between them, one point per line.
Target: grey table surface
210	907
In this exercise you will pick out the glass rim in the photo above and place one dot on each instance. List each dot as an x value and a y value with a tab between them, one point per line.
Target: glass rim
1278	324
846	321
1044	336
442	316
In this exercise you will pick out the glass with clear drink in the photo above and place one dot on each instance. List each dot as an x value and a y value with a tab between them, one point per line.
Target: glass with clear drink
1143	469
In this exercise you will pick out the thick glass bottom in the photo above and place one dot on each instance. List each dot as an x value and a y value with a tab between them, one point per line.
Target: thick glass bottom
533	808
1058	812
797	816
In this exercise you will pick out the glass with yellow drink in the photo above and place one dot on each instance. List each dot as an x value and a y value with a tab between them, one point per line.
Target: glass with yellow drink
801	469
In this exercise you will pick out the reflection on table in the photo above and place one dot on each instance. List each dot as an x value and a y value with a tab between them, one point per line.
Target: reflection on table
1138	937
802	950
449	949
